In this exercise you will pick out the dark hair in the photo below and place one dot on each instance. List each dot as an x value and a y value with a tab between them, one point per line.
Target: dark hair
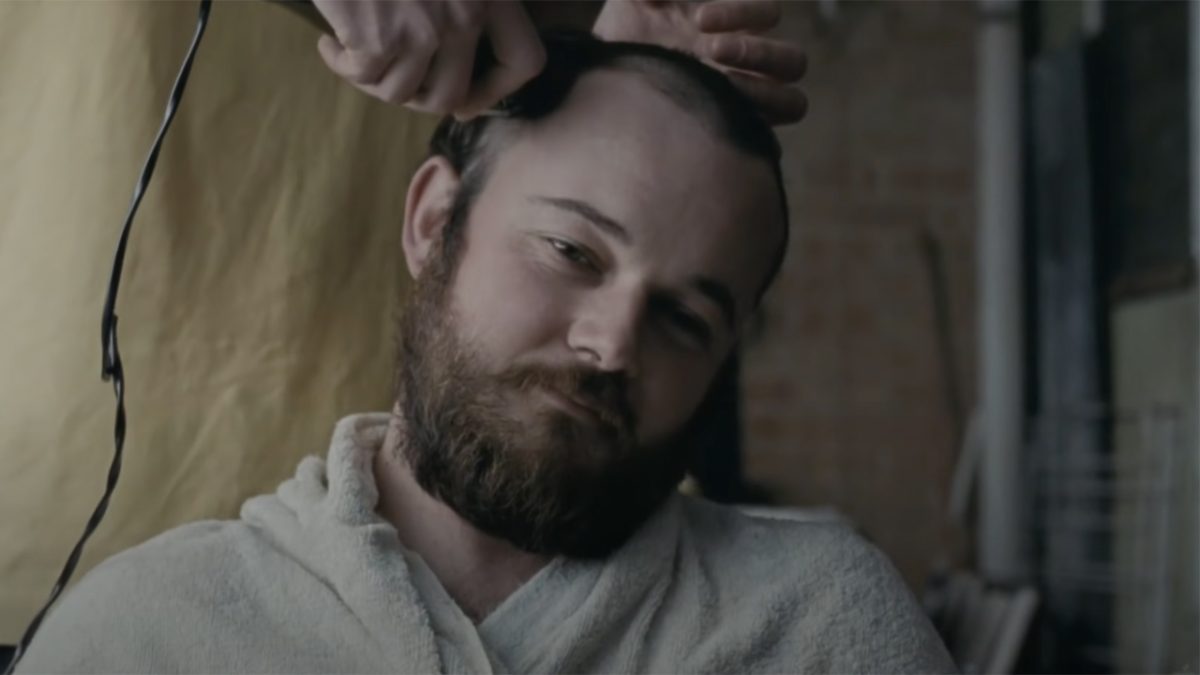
698	89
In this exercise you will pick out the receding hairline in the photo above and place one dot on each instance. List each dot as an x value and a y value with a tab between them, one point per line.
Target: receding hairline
664	77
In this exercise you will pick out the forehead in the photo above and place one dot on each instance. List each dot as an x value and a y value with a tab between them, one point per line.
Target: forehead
692	202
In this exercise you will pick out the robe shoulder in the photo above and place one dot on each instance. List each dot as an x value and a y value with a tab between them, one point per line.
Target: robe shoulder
128	613
841	602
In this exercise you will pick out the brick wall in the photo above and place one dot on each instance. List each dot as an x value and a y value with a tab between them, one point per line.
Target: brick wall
844	386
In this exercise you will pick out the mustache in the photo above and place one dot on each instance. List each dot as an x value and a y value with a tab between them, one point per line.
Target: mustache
603	392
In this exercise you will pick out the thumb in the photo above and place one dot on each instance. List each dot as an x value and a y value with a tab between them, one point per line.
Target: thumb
519	55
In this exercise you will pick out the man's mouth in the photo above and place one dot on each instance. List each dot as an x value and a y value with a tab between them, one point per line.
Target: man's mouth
577	407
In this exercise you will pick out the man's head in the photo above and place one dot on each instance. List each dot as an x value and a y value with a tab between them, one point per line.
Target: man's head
584	268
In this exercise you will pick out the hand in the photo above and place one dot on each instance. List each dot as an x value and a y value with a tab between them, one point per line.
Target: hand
421	53
726	34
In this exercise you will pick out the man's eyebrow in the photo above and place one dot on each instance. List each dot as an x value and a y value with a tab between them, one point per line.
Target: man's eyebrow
720	294
591	213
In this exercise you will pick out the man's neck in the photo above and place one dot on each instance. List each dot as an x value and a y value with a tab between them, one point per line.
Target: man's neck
477	570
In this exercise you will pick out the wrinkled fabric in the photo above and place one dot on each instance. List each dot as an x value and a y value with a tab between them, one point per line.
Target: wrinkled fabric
260	284
311	579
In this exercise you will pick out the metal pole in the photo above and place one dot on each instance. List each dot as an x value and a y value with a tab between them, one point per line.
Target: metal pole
1002	554
1194	176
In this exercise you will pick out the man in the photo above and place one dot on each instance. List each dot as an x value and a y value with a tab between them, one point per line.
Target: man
584	265
275	179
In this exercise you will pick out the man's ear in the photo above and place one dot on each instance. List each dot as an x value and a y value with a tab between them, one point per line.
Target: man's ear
427	209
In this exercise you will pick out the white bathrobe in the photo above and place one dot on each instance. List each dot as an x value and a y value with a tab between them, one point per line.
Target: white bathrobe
311	580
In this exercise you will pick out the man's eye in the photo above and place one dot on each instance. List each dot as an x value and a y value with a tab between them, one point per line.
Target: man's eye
572	253
691	325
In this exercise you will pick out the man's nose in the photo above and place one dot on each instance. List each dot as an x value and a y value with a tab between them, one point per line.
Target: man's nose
606	330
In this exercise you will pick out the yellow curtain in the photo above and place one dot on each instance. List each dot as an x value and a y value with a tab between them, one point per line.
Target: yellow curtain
260	286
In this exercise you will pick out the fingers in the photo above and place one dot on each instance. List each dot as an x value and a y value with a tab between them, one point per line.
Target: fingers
448	82
400	82
392	73
355	66
419	54
519	56
721	16
772	58
778	103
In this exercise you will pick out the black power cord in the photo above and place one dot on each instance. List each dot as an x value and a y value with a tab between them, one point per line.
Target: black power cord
111	356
